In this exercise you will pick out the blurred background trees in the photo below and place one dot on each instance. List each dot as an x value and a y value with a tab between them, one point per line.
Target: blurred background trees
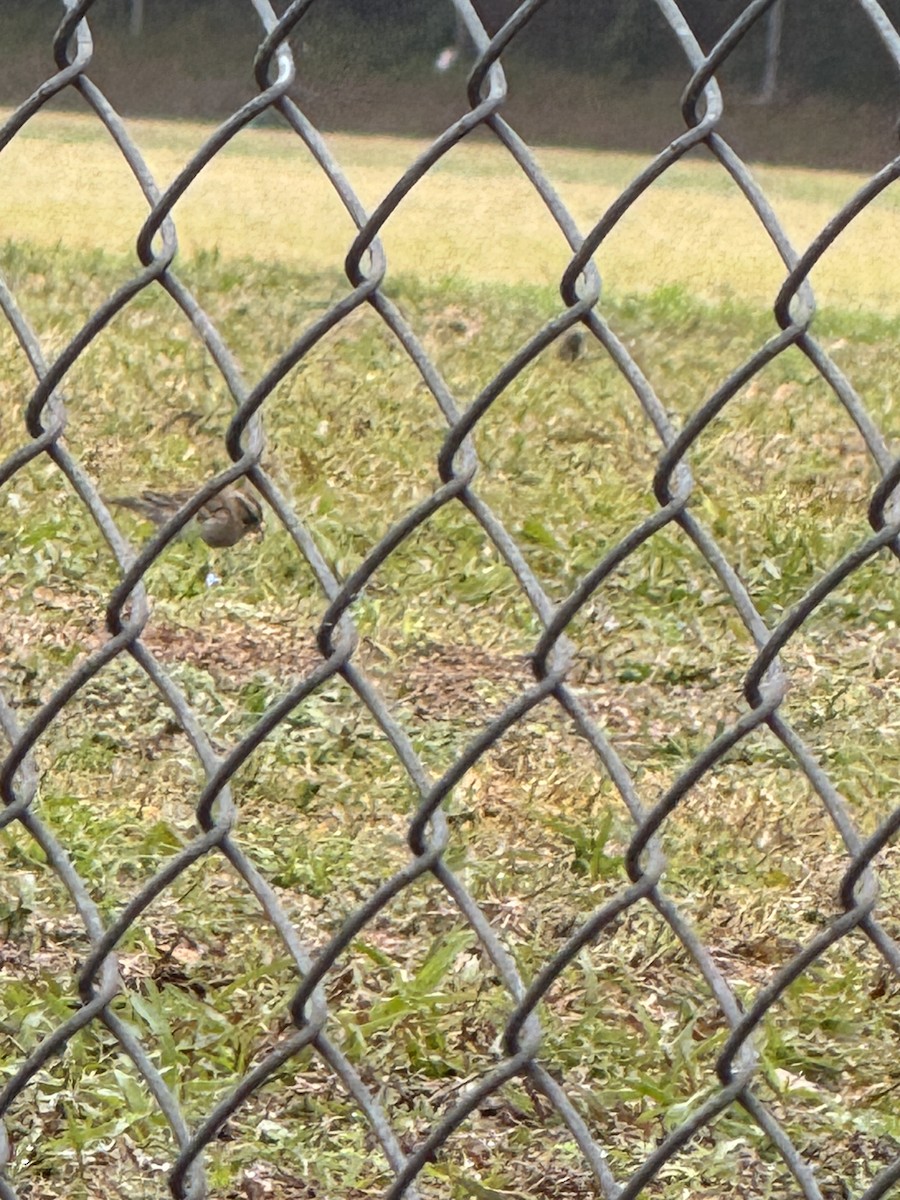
607	64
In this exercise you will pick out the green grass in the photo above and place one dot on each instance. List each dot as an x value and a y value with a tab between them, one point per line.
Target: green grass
538	833
693	229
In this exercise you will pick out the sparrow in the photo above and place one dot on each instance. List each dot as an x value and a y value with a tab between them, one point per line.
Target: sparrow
571	346
222	521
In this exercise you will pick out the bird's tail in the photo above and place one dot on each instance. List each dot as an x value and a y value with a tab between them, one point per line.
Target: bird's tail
145	506
125	502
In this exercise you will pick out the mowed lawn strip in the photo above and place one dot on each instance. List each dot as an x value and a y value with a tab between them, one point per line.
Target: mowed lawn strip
473	217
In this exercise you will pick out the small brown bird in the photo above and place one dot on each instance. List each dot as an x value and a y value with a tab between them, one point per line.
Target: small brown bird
571	346
222	521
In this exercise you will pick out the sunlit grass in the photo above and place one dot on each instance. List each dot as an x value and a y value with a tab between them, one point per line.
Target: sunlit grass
474	217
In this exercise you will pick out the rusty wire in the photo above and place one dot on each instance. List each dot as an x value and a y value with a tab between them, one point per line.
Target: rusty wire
127	612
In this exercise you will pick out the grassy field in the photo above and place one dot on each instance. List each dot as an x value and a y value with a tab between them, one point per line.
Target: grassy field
538	830
265	198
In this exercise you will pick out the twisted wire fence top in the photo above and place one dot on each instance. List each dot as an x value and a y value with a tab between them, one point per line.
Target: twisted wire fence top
306	1030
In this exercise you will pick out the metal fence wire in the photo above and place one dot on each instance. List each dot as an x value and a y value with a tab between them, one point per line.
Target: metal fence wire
409	1163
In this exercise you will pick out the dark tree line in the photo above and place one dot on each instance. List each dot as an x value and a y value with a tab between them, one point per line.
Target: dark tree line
806	46
801	47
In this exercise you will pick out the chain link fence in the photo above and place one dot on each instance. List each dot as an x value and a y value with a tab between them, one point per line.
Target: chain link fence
306	1040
